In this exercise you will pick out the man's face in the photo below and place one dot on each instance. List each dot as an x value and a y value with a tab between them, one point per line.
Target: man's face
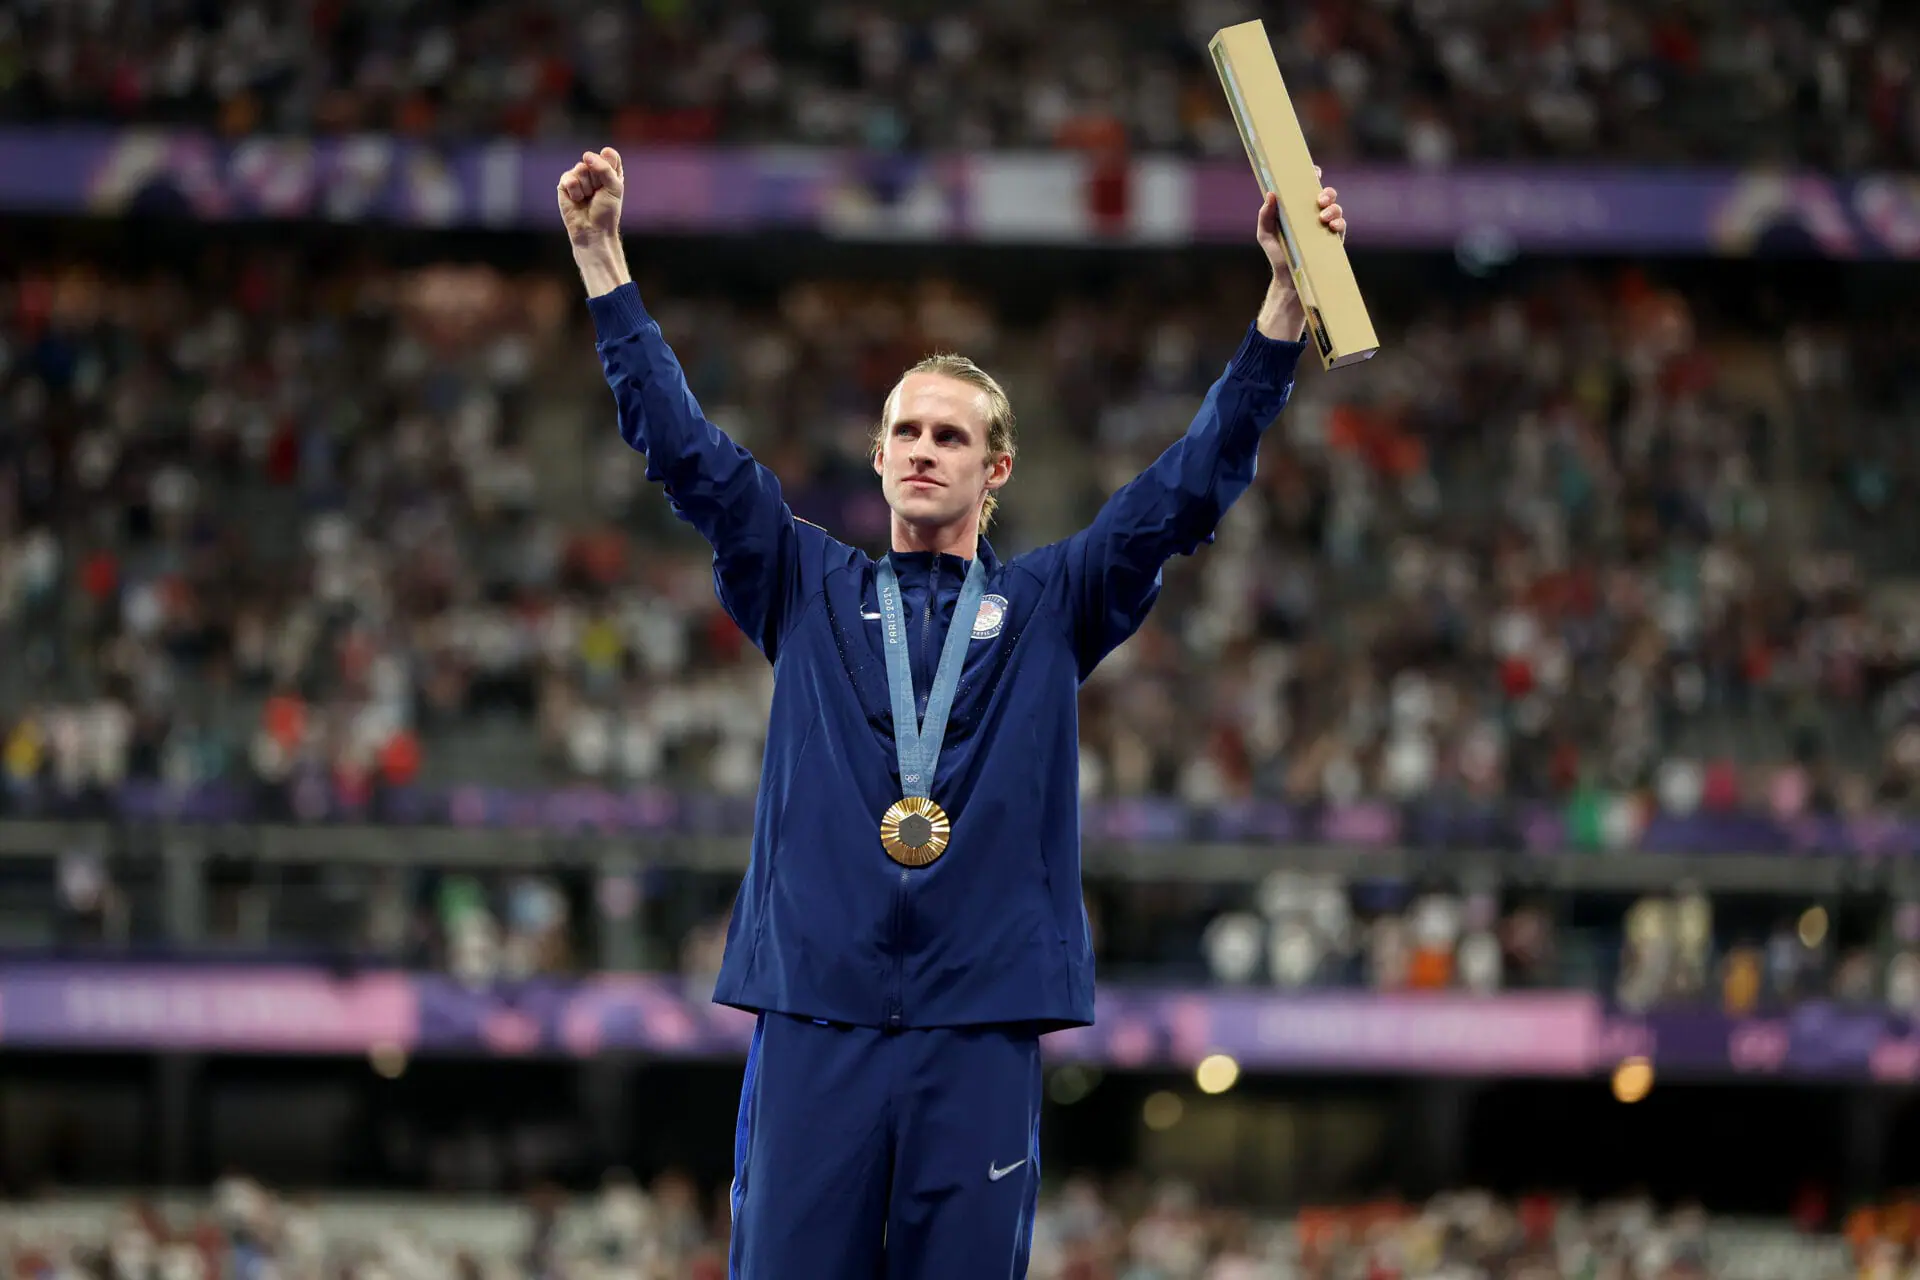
932	461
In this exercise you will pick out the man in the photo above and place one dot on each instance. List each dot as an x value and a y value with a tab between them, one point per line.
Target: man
911	920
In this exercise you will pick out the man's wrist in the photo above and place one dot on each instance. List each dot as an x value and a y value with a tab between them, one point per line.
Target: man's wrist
603	266
1265	361
1282	318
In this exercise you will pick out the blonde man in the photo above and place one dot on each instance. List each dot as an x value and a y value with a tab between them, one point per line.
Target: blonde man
911	922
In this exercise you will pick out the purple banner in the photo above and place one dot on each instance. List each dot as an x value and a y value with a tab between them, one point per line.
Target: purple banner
247	1010
1612	210
1536	828
1011	198
1814	1041
1527	1035
1437	1034
250	1010
296	1011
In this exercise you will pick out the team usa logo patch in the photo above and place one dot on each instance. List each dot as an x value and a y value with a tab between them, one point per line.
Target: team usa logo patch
992	617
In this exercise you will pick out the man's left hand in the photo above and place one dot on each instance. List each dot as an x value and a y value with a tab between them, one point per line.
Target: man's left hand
1332	217
1282	316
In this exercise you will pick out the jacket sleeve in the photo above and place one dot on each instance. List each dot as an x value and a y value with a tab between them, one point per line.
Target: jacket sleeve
1113	565
711	482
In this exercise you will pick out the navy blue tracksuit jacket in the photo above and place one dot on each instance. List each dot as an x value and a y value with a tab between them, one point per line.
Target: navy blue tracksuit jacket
840	950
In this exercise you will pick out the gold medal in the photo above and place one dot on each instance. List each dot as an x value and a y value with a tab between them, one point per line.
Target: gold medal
914	831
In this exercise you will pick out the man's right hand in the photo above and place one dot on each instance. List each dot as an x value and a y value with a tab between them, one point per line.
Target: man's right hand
590	196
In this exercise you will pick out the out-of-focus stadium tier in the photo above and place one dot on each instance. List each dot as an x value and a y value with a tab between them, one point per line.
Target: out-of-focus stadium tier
285	1010
1484	211
1128	1227
323	533
1828	84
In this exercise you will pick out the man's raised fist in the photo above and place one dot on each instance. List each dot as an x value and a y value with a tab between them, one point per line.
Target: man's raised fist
590	194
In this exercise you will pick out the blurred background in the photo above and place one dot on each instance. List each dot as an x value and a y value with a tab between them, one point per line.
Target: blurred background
1500	845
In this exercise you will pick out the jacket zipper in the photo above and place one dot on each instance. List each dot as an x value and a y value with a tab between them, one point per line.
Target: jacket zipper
926	633
895	1014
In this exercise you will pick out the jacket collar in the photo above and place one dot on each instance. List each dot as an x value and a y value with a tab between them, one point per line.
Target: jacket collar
919	562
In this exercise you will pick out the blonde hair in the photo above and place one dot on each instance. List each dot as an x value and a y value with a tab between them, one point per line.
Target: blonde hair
1000	423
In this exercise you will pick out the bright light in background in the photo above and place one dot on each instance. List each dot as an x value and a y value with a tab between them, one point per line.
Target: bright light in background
389	1060
1216	1073
1813	927
1162	1111
1632	1079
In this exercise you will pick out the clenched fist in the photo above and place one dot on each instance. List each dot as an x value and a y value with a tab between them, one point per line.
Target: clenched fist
590	194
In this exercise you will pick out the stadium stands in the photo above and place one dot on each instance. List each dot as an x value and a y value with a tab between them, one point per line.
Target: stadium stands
256	521
1128	1231
1571	540
1432	83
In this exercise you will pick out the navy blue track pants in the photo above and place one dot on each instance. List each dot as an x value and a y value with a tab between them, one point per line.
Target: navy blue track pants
868	1155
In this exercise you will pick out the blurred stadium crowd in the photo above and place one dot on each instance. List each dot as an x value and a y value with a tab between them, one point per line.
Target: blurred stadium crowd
1128	1230
1572	540
376	527
1428	81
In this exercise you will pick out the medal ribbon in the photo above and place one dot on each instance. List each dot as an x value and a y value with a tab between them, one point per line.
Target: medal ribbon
918	744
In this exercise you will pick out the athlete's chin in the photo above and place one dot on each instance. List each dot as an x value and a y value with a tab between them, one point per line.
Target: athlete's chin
923	505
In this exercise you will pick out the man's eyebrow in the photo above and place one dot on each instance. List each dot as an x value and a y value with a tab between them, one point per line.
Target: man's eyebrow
938	424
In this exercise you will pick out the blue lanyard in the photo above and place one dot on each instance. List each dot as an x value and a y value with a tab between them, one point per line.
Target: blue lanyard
918	744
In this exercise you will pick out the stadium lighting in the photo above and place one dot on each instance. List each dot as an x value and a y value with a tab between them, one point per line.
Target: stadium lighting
1813	927
1162	1111
1216	1073
1632	1080
389	1061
